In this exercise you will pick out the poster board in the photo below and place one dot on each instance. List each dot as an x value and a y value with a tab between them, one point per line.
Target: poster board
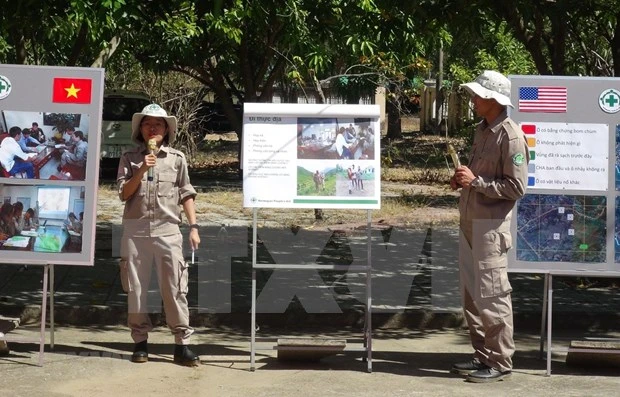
311	156
568	221
60	170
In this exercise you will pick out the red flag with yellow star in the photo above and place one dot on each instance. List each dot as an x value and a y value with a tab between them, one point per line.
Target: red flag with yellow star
71	90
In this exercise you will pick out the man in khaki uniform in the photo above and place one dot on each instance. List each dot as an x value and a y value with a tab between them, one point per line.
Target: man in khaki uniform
153	182
494	180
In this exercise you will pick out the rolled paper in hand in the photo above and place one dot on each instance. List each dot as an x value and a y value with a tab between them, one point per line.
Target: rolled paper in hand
152	147
454	155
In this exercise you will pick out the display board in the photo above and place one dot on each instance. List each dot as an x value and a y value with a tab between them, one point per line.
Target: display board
51	168
311	156
568	221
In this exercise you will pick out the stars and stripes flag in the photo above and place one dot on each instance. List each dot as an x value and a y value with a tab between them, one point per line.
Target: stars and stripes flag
543	99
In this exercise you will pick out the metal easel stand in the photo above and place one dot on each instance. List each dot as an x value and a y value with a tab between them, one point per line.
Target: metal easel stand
48	281
548	299
544	317
547	308
48	272
367	332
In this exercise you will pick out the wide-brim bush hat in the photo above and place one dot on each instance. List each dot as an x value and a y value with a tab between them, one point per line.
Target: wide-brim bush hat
490	85
153	110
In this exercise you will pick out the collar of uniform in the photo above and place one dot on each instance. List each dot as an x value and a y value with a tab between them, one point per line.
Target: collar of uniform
496	124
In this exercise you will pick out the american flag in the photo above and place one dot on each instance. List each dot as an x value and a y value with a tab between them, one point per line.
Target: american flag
542	99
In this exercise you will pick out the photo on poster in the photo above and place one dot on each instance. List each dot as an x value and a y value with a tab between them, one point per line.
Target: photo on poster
42	218
335	138
339	179
316	178
44	145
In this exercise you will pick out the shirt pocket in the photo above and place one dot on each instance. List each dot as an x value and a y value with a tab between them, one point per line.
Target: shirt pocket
166	184
487	162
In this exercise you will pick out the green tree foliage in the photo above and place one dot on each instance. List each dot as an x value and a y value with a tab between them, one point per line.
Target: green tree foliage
562	37
244	50
62	32
495	49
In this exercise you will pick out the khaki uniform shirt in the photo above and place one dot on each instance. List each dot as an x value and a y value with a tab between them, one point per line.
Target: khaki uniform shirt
499	158
154	210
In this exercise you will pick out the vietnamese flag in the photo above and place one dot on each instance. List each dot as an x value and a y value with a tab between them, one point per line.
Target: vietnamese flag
70	90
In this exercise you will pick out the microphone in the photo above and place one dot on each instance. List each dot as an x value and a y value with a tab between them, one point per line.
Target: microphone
152	148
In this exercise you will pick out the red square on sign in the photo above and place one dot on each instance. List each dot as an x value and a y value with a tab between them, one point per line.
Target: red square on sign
528	128
72	90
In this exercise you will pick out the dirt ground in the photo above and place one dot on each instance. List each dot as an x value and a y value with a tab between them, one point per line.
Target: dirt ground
224	205
93	362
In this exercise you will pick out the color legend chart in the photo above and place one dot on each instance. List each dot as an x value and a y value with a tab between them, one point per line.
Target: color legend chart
530	136
568	156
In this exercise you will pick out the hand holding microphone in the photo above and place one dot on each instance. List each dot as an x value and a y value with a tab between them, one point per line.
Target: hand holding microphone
152	147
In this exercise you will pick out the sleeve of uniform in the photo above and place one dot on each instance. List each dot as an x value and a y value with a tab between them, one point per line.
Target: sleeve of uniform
511	185
123	174
185	187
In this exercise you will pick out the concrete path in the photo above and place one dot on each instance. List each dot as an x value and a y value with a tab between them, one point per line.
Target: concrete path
94	361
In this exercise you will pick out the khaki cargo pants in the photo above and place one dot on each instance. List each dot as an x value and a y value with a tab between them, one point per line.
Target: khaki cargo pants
485	292
139	254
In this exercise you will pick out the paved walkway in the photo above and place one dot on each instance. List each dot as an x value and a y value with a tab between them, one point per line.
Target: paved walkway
93	361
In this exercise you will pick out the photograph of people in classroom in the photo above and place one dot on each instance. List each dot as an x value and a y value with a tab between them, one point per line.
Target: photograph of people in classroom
39	145
41	218
335	139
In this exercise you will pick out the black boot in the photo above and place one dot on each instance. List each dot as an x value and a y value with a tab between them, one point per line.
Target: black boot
140	353
468	367
488	375
4	349
184	356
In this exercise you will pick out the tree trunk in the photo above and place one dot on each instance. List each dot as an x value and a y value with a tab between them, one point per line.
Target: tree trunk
106	53
394	130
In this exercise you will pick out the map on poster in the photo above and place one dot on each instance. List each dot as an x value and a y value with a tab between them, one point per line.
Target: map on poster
617	232
311	156
561	228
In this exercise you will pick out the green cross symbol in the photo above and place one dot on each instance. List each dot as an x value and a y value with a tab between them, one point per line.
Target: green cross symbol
611	100
2	86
